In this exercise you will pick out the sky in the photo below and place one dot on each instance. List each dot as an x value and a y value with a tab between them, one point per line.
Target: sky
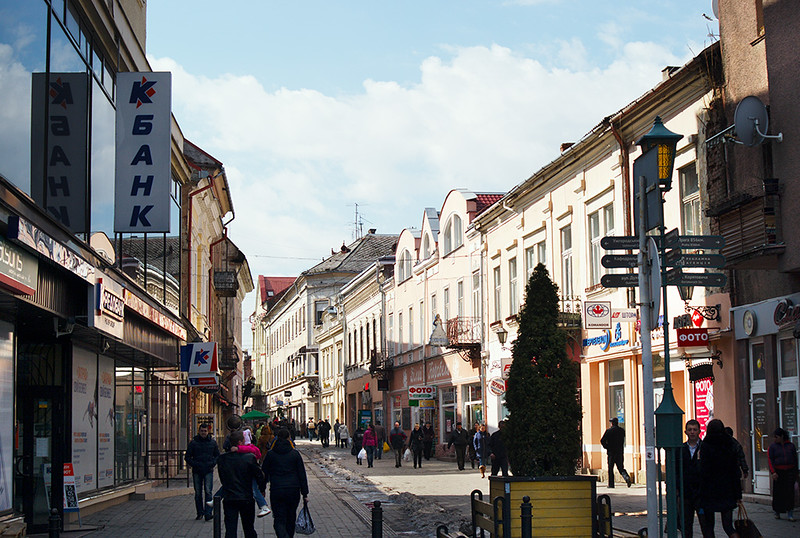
321	109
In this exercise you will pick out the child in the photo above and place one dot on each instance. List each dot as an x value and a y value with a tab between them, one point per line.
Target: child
263	509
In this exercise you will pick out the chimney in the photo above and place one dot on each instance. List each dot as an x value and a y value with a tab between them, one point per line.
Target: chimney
372	231
668	72
566	145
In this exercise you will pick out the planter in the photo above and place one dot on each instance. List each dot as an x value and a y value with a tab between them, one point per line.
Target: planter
561	505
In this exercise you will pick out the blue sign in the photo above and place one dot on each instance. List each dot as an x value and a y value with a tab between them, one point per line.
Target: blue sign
604	341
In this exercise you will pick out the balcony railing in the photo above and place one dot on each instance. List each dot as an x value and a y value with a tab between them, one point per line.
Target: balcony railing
380	364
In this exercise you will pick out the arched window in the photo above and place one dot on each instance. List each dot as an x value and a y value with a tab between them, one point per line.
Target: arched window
404	266
426	247
453	235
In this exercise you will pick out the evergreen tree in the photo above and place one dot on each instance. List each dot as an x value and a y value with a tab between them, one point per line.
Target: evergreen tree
543	431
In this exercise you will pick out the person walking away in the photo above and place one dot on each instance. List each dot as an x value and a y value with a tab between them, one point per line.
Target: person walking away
428	437
370	444
397	438
265	440
480	443
311	428
324	432
261	503
201	455
358	443
720	487
613	441
740	457
415	442
380	433
336	433
690	455
497	451
460	439
237	471
286	474
344	433
248	435
471	445
783	471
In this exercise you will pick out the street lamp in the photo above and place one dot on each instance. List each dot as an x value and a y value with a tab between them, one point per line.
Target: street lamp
502	334
667	143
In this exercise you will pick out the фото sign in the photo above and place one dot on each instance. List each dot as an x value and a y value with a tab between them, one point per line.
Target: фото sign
692	338
421	392
597	315
143	169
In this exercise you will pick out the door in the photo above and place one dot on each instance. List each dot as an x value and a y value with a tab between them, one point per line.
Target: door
761	432
788	387
38	410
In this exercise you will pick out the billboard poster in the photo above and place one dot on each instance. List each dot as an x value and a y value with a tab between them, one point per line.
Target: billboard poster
704	403
64	97
105	422
143	169
6	414
84	419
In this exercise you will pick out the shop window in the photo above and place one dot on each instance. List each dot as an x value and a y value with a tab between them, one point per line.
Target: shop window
616	390
758	366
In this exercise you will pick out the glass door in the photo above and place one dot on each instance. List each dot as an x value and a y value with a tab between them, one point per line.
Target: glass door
788	387
761	432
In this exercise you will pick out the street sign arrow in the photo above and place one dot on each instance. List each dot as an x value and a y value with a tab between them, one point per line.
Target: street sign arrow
620	260
620	242
624	280
701	241
702	260
672	257
676	277
671	238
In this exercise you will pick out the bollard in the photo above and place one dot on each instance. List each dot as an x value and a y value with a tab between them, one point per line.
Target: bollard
54	524
527	517
643	532
217	517
377	520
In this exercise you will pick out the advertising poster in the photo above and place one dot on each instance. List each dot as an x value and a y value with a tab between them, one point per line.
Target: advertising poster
84	419
6	414
105	422
704	403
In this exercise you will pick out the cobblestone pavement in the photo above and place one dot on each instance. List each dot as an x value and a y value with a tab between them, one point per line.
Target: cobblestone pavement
342	492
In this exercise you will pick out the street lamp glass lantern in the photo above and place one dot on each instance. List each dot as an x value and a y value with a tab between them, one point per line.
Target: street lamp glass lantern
667	143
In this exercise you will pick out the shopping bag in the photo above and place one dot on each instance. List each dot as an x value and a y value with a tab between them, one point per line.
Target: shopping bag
407	454
353	450
745	526
362	454
386	447
304	523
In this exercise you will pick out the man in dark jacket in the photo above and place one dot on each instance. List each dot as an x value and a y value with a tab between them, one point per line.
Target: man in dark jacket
497	451
201	455
284	470
428	436
460	438
613	441
380	433
237	470
690	454
397	438
324	432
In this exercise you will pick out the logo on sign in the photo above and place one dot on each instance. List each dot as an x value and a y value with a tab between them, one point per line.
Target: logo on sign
598	310
497	387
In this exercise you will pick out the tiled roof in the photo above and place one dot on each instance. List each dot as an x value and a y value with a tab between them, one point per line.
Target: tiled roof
485	200
275	284
356	256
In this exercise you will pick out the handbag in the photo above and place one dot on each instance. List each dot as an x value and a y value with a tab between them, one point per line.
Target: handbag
744	526
386	447
304	523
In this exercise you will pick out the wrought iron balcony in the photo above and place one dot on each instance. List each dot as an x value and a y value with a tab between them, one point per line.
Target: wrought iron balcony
464	334
380	365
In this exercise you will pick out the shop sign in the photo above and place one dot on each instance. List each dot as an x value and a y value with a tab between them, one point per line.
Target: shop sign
199	358
692	338
704	403
427	404
497	386
625	315
421	392
203	380
786	313
598	315
506	364
107	311
148	312
19	271
605	341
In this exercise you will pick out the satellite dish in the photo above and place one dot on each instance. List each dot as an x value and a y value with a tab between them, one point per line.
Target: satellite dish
715	8
751	122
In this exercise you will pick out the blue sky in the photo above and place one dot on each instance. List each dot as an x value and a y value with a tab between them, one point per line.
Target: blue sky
316	106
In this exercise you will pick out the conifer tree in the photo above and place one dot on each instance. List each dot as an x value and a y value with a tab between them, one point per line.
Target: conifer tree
542	435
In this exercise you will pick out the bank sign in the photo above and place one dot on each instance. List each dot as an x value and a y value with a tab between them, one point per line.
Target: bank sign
143	172
605	342
108	307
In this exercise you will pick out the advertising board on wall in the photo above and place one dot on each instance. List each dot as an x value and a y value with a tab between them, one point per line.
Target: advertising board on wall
84	419
6	414
105	421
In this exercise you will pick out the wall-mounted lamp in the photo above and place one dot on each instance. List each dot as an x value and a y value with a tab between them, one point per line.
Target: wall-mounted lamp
502	334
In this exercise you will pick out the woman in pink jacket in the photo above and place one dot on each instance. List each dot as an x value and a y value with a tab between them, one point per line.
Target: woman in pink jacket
370	444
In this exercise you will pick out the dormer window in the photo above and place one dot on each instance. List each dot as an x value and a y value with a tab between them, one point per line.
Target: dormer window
453	235
404	266
426	247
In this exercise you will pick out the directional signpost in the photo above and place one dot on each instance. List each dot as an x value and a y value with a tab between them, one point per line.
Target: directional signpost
624	280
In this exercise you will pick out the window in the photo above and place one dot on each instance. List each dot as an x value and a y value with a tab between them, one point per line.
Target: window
566	261
319	309
690	200
422	322
453	235
497	289
534	255
411	327
601	224
390	331
513	287
426	247
400	333
476	294
433	307
616	391
460	299
404	266
446	298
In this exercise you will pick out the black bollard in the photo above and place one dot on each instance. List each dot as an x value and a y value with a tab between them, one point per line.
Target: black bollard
377	520
54	524
527	517
217	517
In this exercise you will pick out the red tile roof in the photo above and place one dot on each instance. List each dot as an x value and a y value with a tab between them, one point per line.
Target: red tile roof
485	200
274	284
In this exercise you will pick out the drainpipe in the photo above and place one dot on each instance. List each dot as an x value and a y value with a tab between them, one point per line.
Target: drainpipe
626	194
189	233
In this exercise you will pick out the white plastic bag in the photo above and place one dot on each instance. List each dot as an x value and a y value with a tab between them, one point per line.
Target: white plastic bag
407	454
304	524
362	454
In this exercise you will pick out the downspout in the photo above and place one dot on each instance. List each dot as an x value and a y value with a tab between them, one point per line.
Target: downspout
189	236
626	193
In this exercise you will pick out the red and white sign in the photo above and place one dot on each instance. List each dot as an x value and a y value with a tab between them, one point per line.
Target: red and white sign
597	315
506	363
704	403
497	386
421	392
692	339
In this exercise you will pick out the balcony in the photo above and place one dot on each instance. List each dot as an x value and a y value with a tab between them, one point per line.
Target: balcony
380	365
464	334
569	313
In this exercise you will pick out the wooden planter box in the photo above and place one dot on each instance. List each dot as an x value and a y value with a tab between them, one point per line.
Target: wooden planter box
561	506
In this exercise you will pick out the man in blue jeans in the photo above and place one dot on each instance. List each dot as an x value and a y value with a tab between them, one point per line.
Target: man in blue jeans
201	455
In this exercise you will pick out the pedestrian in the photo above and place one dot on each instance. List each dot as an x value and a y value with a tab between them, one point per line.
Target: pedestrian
293	429
415	442
201	455
783	471
284	470
460	439
265	439
380	433
720	487
248	435
740	457
344	434
311	428
358	440
480	443
613	441
370	444
429	436
234	424
497	451
336	433
397	439
261	503
473	456
237	470
324	433
690	455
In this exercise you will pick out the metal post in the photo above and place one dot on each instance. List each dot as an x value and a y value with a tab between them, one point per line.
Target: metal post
527	517
217	517
377	520
647	365
54	524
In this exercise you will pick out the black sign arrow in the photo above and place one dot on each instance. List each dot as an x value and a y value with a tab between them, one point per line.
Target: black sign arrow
619	260
624	280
